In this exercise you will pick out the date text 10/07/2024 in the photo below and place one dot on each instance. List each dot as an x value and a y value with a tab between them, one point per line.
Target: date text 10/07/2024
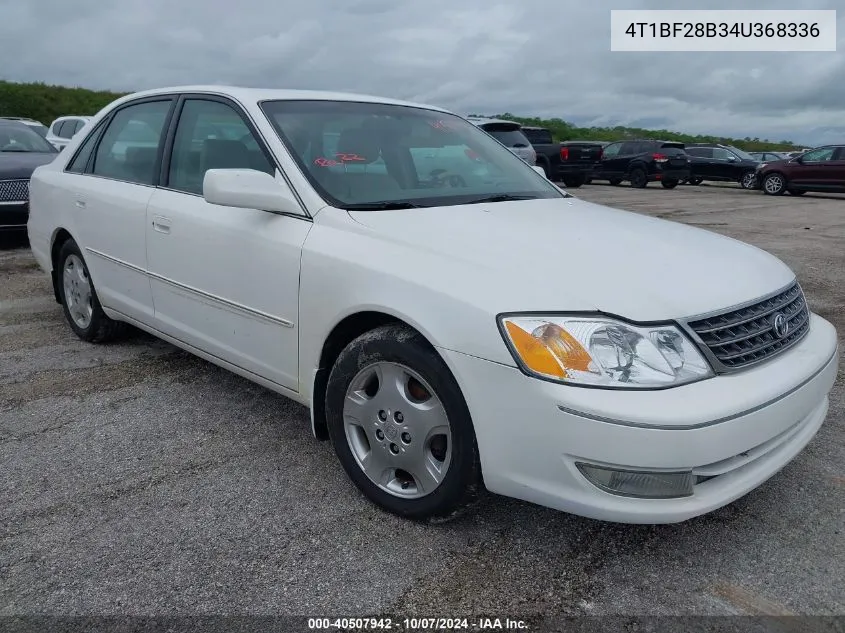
416	624
723	29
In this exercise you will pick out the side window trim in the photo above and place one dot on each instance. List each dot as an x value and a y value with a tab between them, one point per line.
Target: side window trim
176	115
164	131
94	136
167	146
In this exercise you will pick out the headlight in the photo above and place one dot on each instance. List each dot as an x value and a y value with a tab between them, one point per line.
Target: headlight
603	352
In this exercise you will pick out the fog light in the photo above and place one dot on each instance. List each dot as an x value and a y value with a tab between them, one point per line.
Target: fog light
639	483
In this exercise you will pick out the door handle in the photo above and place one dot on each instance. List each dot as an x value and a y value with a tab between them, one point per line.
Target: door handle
161	224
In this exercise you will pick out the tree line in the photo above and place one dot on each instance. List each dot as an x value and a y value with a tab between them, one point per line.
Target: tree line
564	131
45	103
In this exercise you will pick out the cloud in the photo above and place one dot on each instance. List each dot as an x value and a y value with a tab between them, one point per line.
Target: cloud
533	57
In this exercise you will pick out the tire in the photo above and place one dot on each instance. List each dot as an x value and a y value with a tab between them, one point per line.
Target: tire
638	178
364	421
774	184
747	180
573	182
695	181
615	181
669	184
797	192
79	298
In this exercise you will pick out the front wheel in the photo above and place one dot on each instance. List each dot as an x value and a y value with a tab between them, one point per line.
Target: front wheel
400	425
748	179
669	184
573	182
695	181
774	184
79	299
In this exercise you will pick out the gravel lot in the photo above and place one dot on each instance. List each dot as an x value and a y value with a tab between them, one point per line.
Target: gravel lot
136	479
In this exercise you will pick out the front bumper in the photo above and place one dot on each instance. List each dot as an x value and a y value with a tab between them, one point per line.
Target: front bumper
13	216
737	429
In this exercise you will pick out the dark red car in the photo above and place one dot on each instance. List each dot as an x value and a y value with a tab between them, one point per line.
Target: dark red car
820	169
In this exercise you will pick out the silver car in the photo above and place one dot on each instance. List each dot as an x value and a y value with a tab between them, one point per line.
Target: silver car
509	134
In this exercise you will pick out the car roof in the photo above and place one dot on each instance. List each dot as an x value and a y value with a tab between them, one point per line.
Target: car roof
12	123
256	95
480	120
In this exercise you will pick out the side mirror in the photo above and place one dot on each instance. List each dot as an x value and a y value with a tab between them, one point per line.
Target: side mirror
247	189
539	170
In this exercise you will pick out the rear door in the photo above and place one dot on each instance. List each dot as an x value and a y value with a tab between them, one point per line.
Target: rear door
701	162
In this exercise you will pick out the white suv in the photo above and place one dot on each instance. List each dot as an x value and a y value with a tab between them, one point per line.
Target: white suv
64	128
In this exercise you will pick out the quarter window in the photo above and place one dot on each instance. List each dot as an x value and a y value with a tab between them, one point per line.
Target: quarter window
80	161
212	135
129	147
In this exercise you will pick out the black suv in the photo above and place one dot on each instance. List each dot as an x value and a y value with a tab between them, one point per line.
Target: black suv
725	163
643	161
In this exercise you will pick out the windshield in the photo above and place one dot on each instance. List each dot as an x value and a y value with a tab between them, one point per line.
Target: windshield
381	156
740	153
19	138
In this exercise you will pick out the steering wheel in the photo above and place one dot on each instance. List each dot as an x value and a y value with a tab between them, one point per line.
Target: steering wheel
442	178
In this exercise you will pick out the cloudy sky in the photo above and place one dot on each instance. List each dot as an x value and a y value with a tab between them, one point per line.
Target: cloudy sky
547	58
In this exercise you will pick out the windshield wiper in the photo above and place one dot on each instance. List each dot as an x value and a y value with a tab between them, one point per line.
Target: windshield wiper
502	197
382	206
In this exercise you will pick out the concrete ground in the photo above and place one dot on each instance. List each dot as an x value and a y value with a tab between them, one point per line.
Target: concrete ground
136	479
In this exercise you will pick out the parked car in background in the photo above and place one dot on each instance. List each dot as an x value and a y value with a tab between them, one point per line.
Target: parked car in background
571	161
36	126
643	161
450	328
22	149
64	128
821	169
509	134
768	156
721	163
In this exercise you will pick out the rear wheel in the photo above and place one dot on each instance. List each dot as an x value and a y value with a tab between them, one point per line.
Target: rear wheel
400	425
615	181
638	178
669	184
695	181
573	182
747	181
774	184
79	299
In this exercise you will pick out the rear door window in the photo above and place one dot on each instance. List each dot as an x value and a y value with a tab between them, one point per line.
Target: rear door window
630	147
701	152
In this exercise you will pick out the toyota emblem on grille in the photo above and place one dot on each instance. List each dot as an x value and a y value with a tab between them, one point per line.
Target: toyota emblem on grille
780	326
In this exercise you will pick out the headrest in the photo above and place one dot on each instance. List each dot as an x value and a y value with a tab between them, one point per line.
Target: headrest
361	143
136	155
225	154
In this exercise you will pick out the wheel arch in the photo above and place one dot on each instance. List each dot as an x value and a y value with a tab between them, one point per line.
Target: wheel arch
347	329
60	236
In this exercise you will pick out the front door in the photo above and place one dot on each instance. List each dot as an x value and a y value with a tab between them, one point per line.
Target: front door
225	280
815	169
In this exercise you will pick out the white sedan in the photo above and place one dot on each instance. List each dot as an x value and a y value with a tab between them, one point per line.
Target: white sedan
450	317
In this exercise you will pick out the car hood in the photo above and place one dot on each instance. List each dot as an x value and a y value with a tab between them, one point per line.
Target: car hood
568	254
22	164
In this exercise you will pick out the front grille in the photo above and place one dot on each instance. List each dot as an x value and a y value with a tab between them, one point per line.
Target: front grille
748	335
14	190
